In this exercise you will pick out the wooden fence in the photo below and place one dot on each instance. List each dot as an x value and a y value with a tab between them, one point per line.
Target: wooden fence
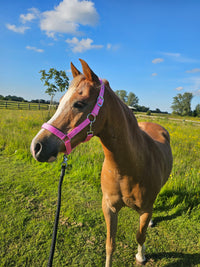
195	123
23	105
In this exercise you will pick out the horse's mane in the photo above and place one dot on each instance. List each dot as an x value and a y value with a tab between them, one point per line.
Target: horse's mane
126	110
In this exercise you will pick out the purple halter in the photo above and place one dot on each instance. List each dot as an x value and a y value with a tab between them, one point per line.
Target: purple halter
91	117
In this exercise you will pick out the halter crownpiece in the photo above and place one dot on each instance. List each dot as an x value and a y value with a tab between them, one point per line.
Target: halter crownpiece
91	117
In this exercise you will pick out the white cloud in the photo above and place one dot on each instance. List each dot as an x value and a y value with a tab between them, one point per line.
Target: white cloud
154	74
112	47
195	81
14	28
193	70
176	55
33	14
68	16
157	60
79	46
65	18
192	84
180	58
24	18
34	49
109	46
179	88
196	93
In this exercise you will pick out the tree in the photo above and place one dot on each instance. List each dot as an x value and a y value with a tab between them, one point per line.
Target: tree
149	112
197	111
132	100
142	108
157	110
56	81
122	94
182	104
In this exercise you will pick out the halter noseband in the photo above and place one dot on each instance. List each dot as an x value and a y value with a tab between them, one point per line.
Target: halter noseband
91	117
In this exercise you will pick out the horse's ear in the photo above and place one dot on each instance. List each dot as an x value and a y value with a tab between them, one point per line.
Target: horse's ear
89	74
75	71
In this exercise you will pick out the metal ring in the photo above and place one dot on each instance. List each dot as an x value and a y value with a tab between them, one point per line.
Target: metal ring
94	117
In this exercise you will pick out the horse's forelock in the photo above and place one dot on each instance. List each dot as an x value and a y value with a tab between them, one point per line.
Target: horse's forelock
76	81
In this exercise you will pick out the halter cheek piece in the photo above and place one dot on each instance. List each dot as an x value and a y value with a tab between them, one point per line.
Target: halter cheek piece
91	117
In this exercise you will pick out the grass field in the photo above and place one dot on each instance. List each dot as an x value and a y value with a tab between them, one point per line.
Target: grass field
28	196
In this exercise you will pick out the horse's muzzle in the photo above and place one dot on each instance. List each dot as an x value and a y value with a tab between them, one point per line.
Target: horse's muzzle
43	152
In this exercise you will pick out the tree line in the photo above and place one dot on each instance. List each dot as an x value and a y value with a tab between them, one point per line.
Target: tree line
58	81
181	104
21	99
12	98
131	100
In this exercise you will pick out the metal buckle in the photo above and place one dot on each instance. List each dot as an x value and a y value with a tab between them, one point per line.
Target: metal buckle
90	130
90	133
64	163
100	101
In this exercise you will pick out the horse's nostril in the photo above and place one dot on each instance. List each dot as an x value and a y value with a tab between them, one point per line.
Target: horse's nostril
38	148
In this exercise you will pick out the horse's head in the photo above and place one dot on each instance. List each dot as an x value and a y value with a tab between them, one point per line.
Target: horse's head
73	110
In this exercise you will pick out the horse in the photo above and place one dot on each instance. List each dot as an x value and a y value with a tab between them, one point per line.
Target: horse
138	158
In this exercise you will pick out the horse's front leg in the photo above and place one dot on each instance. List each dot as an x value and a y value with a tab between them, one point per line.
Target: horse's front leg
141	236
110	215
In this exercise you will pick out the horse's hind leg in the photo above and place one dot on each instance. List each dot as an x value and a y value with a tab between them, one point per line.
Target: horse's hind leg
141	236
110	215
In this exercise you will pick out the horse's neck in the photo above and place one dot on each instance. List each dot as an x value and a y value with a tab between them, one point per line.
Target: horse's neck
121	134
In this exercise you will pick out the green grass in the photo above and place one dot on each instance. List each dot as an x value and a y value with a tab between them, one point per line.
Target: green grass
28	197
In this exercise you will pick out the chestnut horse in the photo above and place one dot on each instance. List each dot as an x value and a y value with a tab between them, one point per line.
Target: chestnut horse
138	158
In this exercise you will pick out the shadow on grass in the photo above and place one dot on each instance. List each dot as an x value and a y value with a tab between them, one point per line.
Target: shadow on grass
181	259
157	220
170	199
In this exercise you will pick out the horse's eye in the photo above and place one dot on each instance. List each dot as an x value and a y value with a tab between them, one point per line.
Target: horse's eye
79	104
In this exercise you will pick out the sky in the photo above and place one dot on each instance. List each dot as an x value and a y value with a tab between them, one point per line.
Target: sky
148	47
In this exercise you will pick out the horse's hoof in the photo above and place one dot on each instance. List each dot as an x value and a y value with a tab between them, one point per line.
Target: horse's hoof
140	261
151	224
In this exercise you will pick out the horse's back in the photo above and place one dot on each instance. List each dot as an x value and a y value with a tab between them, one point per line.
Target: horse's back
155	131
162	150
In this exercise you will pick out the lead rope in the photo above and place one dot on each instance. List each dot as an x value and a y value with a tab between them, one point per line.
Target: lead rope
53	242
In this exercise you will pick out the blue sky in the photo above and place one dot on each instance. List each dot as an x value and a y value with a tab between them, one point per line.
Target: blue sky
151	48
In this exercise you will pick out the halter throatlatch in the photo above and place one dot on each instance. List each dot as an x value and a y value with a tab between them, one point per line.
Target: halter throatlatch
91	117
